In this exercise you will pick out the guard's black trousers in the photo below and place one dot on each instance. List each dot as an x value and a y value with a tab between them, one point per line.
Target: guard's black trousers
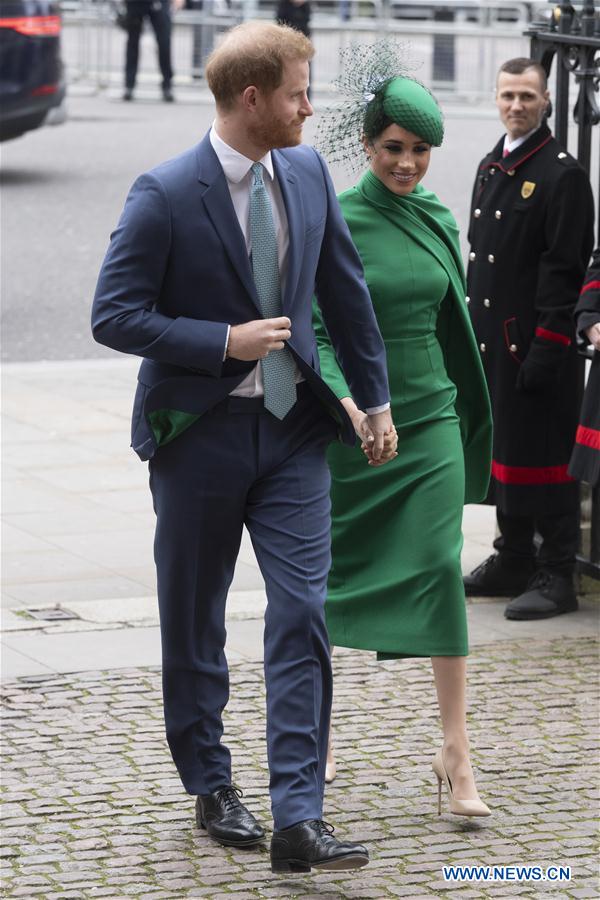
560	539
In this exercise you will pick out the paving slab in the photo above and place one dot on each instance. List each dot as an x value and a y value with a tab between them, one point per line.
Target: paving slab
93	806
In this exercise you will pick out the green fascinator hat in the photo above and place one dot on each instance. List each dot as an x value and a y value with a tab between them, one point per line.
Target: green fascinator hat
409	104
375	89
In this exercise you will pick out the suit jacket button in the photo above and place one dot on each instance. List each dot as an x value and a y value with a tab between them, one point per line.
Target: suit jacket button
482	348
477	213
498	214
472	255
513	348
491	258
487	303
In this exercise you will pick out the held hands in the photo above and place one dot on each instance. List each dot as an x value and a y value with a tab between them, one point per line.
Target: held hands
255	340
593	335
377	433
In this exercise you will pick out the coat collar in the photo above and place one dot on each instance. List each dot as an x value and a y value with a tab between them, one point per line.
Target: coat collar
219	207
529	148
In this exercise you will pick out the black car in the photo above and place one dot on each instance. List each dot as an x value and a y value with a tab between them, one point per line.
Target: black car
31	71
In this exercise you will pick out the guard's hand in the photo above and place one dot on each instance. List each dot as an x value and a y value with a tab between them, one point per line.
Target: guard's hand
593	335
255	340
535	379
379	425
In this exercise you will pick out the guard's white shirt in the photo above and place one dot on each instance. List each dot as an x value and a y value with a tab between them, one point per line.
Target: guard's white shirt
509	145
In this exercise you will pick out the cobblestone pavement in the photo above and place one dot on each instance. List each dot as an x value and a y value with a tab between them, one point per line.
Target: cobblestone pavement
93	807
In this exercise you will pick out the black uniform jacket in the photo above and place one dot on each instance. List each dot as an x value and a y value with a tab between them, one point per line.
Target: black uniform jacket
585	461
531	236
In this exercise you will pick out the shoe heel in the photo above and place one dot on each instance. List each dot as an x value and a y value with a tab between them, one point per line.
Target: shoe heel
283	866
200	823
439	786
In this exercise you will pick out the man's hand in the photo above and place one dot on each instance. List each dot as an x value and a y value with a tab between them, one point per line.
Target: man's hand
593	335
389	452
256	339
378	425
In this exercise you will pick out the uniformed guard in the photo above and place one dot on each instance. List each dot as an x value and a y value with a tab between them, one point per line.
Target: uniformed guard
585	461
531	235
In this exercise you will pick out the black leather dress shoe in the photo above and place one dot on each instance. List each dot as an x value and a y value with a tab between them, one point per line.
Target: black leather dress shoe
311	844
226	820
547	595
496	578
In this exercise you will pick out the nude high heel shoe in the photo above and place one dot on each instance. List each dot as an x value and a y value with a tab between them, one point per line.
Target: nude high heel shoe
330	767
458	807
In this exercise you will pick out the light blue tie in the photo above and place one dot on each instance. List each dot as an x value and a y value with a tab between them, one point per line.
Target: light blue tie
278	367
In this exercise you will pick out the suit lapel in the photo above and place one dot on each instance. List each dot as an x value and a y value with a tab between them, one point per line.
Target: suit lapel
292	198
219	207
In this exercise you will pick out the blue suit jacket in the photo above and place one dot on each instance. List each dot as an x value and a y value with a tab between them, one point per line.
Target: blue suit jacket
176	273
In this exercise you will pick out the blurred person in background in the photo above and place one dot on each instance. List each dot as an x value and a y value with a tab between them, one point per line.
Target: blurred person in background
158	12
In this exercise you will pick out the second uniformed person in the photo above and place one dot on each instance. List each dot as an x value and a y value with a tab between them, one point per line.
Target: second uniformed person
531	236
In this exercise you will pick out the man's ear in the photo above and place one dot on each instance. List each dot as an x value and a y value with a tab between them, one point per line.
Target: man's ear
250	97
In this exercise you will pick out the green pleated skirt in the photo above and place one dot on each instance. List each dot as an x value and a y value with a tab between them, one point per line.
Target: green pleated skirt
395	585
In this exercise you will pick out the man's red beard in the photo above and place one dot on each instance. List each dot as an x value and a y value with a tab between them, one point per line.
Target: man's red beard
276	134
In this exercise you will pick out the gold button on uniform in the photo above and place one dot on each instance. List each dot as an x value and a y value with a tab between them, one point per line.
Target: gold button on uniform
562	155
487	303
472	255
513	348
492	171
511	172
491	258
467	300
482	348
498	214
477	213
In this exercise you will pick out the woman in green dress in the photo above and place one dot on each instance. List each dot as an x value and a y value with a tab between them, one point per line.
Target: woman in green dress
395	585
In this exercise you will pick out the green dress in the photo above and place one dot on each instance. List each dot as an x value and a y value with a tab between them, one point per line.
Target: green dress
395	584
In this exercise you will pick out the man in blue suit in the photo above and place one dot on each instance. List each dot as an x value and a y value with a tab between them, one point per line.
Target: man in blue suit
209	276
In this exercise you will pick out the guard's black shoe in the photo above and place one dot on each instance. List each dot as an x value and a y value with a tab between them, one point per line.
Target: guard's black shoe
128	95
226	820
167	94
547	595
494	577
311	844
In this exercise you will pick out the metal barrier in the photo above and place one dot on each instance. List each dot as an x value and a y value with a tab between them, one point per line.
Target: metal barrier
459	57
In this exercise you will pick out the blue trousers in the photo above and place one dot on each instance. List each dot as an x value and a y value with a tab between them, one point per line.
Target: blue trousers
239	465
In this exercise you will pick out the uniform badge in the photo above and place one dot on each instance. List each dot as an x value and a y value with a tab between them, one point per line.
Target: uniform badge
527	189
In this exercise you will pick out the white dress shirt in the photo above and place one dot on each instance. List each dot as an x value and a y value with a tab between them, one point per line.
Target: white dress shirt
509	145
239	180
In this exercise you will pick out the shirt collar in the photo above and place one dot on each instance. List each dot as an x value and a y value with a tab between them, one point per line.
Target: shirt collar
513	145
234	164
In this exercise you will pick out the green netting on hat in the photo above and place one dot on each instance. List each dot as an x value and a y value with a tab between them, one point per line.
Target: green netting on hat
375	90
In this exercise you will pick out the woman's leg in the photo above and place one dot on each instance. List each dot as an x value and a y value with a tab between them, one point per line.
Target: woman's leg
450	673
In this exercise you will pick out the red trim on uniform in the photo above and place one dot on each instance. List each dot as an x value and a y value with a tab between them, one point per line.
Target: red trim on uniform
590	286
530	474
553	336
588	437
508	341
519	162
